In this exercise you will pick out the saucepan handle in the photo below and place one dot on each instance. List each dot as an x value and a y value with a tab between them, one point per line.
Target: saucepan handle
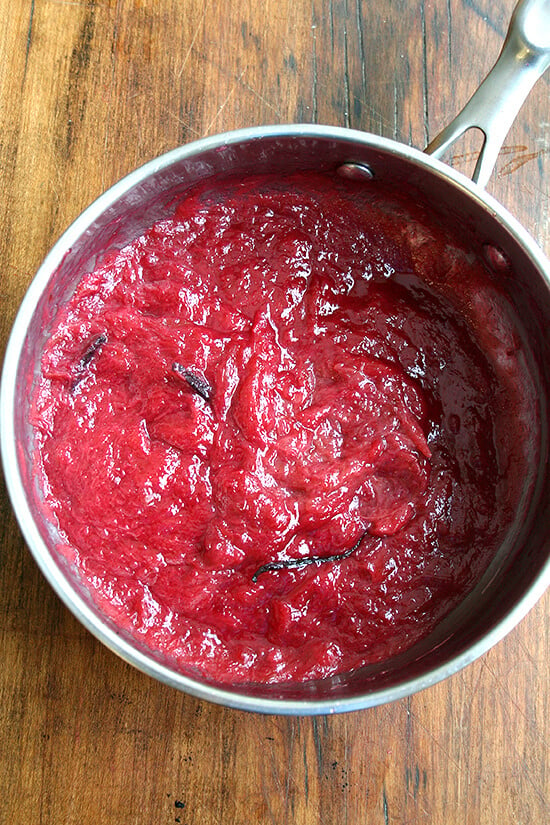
494	106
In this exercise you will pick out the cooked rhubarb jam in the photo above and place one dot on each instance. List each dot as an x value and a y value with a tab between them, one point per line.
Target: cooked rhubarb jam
281	432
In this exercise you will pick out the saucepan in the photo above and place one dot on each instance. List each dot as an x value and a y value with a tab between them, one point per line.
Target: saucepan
521	570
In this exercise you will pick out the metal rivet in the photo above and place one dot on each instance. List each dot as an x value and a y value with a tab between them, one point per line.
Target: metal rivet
355	171
496	258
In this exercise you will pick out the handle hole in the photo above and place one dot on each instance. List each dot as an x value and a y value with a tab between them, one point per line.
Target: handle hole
462	155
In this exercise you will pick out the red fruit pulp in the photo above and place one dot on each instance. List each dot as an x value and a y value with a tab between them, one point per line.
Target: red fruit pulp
282	369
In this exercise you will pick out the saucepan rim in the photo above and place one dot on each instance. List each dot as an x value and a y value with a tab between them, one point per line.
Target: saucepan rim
45	558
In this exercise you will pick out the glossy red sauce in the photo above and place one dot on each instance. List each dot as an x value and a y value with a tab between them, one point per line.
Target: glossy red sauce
284	369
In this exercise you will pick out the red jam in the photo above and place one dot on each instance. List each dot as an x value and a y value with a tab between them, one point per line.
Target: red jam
283	370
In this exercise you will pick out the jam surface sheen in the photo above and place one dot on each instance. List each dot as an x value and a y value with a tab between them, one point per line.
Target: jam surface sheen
284	369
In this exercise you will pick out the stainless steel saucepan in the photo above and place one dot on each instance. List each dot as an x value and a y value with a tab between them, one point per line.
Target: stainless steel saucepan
521	570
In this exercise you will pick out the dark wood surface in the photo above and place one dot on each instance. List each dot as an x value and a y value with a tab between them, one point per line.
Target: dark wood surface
89	91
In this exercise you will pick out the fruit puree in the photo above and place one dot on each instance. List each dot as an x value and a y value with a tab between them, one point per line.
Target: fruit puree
275	430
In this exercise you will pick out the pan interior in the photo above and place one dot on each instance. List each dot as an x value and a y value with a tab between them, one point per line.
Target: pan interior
121	215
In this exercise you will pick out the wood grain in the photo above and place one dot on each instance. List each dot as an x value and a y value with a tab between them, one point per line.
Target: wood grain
88	91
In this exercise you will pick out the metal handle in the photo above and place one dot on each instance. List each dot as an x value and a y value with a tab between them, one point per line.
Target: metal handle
525	56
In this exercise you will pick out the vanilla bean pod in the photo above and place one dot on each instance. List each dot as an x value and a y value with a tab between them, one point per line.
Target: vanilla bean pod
304	561
196	381
88	356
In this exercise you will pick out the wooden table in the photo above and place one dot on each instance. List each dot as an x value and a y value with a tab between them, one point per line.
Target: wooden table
90	90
